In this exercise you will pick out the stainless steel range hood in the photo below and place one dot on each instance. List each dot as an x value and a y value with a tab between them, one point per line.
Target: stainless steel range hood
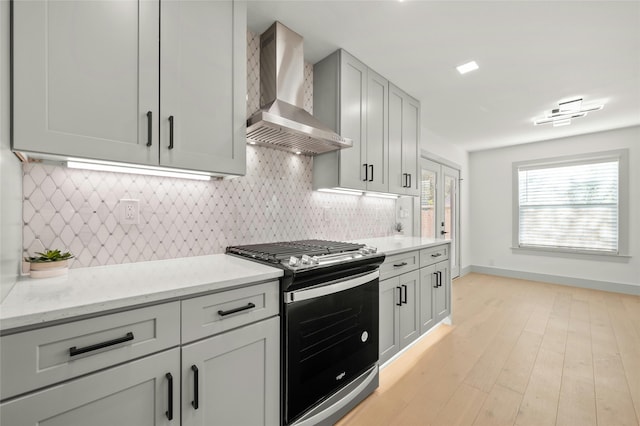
282	123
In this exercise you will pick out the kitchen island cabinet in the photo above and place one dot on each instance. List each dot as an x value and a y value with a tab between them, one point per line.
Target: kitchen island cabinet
141	82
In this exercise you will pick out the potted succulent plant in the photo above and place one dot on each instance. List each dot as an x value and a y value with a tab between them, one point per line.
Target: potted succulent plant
398	227
50	263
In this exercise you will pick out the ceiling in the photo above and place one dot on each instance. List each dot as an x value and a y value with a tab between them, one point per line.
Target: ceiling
532	54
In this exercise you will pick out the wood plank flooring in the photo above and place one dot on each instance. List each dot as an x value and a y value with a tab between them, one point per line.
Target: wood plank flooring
518	353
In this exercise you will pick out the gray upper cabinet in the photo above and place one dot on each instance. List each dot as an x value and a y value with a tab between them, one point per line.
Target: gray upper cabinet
353	100
89	81
85	74
203	85
404	142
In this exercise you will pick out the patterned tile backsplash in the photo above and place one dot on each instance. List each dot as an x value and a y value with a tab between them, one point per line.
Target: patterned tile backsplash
78	210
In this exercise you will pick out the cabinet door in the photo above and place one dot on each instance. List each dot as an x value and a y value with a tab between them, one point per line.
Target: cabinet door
135	393
238	377
442	295
404	142
427	288
85	74
389	327
410	309
203	85
377	136
411	143
353	110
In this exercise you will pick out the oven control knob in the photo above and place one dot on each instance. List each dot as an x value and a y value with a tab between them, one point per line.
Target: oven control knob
306	260
372	249
294	261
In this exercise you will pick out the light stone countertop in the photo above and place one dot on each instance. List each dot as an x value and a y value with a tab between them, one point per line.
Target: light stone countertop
87	291
90	291
399	244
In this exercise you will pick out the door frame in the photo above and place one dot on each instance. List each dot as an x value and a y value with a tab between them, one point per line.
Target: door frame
444	163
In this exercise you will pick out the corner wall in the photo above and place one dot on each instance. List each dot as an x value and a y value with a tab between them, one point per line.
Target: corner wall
492	204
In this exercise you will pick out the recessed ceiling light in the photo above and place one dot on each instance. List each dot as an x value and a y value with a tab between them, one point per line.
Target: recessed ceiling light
469	66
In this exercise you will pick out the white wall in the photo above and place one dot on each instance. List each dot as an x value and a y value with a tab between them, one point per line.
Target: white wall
439	149
491	207
10	174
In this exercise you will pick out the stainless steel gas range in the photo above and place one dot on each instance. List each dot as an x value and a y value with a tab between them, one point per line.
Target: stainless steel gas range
329	325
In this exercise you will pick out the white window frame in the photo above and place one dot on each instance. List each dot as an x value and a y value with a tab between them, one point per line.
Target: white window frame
622	156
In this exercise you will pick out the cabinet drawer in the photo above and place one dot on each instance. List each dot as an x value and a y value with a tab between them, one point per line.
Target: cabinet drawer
41	357
433	255
399	264
207	315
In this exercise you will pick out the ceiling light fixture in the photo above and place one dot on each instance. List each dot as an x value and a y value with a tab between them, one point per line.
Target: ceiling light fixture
138	170
566	111
469	66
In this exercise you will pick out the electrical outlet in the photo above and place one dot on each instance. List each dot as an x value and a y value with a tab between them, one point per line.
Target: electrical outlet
129	211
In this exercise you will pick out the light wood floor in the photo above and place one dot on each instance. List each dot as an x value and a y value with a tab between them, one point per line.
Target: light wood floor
518	353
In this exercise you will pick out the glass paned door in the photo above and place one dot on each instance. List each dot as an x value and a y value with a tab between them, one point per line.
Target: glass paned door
439	207
428	203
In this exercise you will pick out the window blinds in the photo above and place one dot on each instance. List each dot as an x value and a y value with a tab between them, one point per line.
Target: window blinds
572	206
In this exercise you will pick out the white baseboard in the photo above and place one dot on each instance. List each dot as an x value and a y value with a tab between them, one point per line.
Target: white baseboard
558	279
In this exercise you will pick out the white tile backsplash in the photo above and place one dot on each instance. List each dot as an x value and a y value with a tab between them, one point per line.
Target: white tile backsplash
77	210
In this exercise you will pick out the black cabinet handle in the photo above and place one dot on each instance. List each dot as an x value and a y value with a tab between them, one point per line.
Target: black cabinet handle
366	172
405	294
398	265
194	403
171	132
409	184
404	180
436	255
371	177
169	412
399	296
439	278
436	285
234	310
149	127
443	232
73	351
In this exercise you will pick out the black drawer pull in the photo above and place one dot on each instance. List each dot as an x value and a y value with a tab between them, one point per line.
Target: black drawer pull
436	255
73	351
371	177
149	128
194	403
436	285
399	296
169	412
409	184
234	310
439	278
171	132
366	173
405	294
399	265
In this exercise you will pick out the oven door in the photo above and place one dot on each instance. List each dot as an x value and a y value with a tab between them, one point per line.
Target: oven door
330	338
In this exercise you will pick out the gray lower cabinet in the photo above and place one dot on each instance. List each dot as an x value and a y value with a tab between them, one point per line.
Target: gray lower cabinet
415	295
399	313
101	79
442	294
233	378
136	393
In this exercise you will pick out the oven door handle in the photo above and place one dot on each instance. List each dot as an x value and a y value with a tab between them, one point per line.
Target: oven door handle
330	288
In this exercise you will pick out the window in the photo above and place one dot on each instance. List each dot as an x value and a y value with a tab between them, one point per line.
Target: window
572	204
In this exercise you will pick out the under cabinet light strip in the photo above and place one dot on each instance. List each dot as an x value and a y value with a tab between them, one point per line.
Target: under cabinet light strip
147	171
380	195
340	191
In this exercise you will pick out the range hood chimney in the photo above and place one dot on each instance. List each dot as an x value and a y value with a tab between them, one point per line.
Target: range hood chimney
282	123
